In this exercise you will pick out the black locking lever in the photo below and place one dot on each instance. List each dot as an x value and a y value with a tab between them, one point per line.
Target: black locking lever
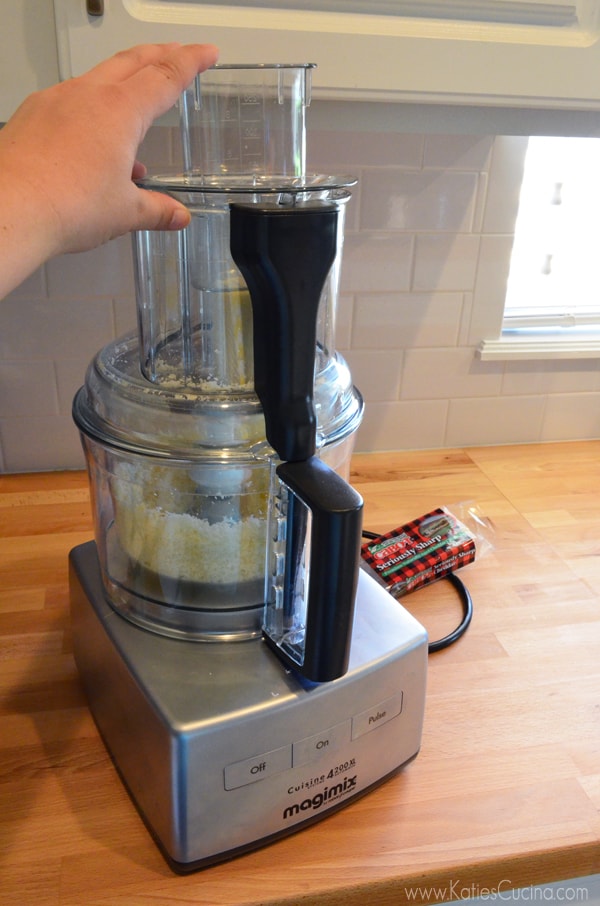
285	255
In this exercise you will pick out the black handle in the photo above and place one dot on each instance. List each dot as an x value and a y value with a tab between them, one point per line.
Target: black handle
284	255
335	538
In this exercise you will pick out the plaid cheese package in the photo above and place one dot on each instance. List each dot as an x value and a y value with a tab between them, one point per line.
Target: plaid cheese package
423	551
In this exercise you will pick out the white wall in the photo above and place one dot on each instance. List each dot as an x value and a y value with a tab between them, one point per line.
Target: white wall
428	240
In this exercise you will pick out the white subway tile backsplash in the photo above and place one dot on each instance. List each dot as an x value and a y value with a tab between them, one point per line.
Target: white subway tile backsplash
431	200
27	388
53	328
429	234
105	271
70	375
157	150
125	316
504	183
334	151
377	262
403	426
494	420
490	288
465	320
39	443
571	416
458	152
479	206
406	320
376	373
575	376
343	321
448	374
445	262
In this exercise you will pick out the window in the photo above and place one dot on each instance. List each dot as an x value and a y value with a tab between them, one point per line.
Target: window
552	307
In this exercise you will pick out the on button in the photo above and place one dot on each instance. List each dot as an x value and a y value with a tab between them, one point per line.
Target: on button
313	747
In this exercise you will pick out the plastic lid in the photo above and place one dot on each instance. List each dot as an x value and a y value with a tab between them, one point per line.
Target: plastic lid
121	408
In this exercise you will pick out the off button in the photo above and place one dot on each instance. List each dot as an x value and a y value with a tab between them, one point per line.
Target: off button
376	716
257	768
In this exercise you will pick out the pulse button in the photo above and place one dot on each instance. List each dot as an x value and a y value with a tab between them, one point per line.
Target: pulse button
376	716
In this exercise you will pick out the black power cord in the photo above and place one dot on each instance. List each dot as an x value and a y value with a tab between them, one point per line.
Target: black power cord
467	607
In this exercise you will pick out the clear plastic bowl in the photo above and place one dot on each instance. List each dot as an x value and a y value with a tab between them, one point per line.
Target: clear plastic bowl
181	487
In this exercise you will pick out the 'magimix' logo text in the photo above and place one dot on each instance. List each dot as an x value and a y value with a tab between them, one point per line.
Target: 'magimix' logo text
328	794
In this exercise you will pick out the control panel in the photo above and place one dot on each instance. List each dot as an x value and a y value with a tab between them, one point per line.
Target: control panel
311	748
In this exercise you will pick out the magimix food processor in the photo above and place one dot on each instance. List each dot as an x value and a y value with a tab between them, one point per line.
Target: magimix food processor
246	675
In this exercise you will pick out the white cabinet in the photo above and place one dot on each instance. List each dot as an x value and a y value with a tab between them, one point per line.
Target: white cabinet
473	54
28	57
523	53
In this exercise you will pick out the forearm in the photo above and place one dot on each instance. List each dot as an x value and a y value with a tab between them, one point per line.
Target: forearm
68	155
26	236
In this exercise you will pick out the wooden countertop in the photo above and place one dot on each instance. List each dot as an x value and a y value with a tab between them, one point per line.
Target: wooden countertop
506	789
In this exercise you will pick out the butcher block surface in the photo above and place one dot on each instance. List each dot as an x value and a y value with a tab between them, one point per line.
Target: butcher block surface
505	791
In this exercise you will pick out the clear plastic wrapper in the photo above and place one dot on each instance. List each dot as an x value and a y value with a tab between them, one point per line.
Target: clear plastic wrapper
428	548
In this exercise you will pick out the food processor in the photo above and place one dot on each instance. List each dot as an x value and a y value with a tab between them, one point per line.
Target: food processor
247	676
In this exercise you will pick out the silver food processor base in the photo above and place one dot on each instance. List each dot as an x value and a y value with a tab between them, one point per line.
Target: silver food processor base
221	747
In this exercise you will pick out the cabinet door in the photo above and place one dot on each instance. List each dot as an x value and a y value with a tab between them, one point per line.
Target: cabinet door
28	59
526	53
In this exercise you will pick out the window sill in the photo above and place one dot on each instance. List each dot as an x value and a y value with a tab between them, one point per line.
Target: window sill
520	347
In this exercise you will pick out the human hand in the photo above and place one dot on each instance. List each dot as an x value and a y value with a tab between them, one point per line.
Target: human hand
68	156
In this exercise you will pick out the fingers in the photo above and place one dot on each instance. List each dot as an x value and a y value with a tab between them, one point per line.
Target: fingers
126	63
182	61
165	78
138	171
160	212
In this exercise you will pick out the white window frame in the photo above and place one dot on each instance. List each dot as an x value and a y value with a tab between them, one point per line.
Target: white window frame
563	322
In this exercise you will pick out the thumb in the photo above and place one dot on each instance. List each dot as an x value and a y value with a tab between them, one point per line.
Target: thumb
161	212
